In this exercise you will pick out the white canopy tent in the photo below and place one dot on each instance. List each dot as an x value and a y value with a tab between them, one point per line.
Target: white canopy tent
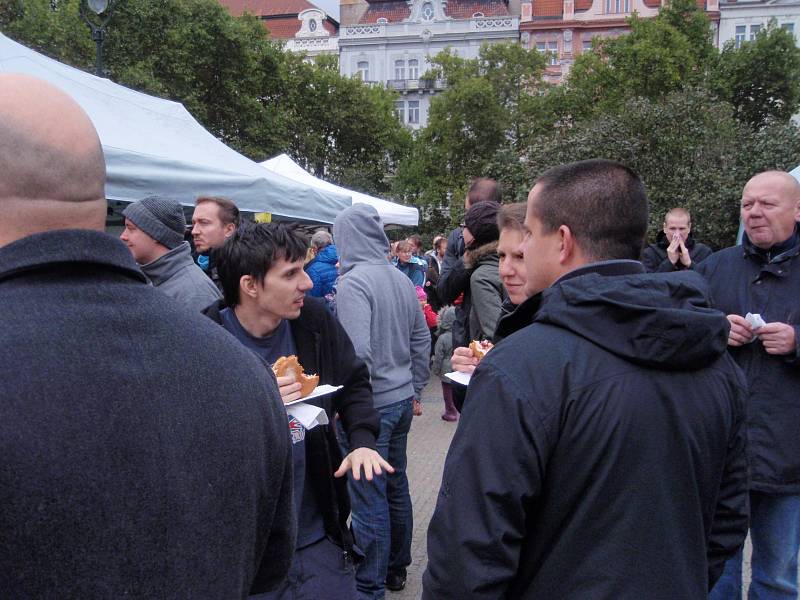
154	146
391	213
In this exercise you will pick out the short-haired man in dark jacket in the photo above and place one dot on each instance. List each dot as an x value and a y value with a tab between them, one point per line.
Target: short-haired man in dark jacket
144	451
675	249
266	309
601	451
761	276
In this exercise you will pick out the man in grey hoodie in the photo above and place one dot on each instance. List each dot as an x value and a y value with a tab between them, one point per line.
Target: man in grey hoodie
154	229
378	307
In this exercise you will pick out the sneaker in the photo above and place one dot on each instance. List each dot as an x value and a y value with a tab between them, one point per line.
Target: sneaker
395	582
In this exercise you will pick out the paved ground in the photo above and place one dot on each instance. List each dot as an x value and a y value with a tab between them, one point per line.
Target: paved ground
427	446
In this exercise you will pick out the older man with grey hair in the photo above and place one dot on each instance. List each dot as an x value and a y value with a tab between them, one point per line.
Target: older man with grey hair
322	269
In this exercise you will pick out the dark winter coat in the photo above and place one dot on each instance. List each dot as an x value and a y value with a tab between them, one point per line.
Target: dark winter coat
324	348
323	272
601	450
655	260
145	452
453	281
744	279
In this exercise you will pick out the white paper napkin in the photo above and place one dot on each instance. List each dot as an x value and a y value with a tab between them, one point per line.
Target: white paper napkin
459	377
308	414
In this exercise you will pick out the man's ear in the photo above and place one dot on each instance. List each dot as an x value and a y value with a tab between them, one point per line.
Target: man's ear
229	229
568	247
248	286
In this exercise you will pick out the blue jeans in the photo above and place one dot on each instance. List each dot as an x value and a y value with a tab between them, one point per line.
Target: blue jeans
382	520
775	535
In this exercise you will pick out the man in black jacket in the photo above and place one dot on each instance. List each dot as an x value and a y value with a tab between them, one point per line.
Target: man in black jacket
144	452
264	284
601	451
675	249
761	276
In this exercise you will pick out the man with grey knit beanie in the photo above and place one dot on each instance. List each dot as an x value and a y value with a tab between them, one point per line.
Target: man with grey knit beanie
154	229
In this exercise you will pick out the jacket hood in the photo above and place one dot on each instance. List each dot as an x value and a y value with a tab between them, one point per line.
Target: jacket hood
359	236
662	321
487	253
328	255
447	319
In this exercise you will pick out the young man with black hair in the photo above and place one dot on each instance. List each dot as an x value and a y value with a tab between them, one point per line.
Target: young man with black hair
601	451
266	308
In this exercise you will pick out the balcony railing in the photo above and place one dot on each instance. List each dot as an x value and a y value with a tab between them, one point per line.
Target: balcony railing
416	85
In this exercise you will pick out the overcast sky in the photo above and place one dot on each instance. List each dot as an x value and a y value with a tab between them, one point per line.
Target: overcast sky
329	6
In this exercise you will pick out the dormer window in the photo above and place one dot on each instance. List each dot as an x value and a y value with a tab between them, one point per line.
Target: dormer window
478	15
382	21
427	11
312	24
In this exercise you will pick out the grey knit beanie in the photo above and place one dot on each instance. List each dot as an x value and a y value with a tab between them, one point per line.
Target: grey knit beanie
160	218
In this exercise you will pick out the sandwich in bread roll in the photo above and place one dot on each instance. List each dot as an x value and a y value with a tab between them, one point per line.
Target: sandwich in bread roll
288	365
480	349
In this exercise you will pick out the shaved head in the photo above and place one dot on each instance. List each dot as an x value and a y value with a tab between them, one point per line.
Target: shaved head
52	170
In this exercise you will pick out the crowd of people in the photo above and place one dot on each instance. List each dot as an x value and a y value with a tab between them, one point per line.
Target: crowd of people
634	418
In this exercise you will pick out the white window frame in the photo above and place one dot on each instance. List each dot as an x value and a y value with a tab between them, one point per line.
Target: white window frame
413	112
362	70
754	29
399	69
413	68
740	35
400	110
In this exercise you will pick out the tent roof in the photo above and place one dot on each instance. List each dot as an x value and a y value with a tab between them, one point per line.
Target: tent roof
154	146
391	213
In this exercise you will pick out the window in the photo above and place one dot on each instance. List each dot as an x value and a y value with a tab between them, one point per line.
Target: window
741	33
399	69
618	6
312	24
427	11
413	111
587	45
363	70
400	111
551	48
754	29
413	69
788	27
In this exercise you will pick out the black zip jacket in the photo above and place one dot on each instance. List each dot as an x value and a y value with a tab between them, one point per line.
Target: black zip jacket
324	348
601	450
744	279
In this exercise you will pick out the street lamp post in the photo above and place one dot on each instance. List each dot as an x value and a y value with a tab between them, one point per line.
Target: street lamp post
102	9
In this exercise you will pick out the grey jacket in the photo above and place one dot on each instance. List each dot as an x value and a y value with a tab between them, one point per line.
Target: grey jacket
179	277
378	307
444	343
486	290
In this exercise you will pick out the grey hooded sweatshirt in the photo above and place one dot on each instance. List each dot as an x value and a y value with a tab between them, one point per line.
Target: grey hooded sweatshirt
378	307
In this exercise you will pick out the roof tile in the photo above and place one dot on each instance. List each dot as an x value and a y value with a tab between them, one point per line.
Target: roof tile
464	9
393	11
549	8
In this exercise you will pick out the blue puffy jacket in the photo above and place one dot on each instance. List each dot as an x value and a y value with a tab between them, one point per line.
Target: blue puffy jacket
322	271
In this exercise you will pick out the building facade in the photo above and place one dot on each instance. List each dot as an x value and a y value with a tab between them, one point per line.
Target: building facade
303	26
565	28
390	42
740	21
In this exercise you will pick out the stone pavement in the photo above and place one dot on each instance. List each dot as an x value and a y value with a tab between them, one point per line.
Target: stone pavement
427	446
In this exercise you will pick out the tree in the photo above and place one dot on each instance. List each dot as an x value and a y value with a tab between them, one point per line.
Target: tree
689	150
761	78
242	86
490	105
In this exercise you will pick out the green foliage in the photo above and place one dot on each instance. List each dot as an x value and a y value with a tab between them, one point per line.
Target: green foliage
243	87
761	78
689	150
